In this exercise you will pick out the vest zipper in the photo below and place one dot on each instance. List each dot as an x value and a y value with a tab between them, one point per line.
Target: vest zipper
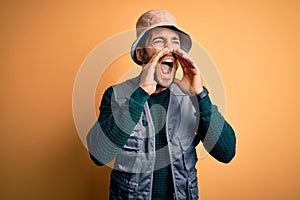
168	143
148	113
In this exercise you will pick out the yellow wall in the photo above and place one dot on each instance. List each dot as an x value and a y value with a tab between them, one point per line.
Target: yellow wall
255	45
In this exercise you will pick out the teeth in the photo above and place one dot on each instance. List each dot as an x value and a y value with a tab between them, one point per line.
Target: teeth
168	60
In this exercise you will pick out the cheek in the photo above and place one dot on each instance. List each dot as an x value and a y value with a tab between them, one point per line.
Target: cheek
149	52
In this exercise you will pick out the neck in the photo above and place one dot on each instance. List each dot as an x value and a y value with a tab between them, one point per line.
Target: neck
159	89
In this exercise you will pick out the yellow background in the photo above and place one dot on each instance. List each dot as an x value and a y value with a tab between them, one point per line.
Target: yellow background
255	45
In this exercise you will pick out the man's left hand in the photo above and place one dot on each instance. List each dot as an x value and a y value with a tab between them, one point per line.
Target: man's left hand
191	82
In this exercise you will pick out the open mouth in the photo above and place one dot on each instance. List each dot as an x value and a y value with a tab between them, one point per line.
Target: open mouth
166	66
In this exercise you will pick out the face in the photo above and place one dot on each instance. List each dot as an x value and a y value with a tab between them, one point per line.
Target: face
158	39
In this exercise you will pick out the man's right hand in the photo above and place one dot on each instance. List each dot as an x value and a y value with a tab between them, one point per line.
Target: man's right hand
147	81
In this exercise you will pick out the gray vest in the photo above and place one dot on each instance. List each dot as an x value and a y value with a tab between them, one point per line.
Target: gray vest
134	165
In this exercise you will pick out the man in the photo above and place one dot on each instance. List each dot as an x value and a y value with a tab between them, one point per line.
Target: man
151	124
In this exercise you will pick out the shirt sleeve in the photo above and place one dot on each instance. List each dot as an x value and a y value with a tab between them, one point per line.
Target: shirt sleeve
115	123
215	132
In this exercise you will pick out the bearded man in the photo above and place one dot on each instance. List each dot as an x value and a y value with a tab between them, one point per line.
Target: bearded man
152	124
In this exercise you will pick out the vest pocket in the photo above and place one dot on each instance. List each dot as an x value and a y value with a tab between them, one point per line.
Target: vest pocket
122	186
128	160
133	144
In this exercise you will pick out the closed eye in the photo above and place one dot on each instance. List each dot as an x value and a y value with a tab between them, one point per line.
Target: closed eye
176	41
158	41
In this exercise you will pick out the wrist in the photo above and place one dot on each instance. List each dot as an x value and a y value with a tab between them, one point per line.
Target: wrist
148	87
203	93
198	90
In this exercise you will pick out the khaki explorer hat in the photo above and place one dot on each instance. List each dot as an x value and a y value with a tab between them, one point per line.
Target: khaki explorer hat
158	18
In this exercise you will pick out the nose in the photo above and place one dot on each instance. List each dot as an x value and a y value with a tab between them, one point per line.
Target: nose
169	44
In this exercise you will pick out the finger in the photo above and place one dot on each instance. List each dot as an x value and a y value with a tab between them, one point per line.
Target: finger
187	63
184	65
182	55
155	58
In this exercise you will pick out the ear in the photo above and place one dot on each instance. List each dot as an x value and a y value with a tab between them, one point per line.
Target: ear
139	52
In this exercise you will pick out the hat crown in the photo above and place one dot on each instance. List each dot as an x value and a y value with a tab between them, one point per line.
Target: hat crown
154	18
158	18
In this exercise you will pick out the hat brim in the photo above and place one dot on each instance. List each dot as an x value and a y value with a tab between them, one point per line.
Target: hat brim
185	41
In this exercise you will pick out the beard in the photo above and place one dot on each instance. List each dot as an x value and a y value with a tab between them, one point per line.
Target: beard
164	81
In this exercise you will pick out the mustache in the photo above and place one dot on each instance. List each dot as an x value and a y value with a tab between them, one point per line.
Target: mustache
169	55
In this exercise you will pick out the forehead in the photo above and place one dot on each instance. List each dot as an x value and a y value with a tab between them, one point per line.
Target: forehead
163	32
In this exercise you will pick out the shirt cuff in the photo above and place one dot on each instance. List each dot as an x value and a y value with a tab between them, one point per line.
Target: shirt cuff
139	96
204	103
